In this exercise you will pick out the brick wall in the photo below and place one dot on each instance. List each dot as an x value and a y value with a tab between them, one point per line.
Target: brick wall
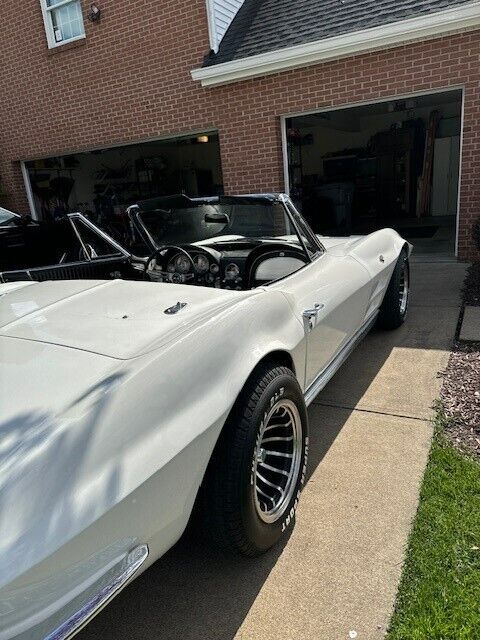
130	81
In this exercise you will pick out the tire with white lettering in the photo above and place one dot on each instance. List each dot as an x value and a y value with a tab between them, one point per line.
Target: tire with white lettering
258	469
394	309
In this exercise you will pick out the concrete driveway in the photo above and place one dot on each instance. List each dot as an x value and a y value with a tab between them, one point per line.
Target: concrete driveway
339	571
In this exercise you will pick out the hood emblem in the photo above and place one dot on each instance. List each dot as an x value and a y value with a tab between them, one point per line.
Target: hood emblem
175	309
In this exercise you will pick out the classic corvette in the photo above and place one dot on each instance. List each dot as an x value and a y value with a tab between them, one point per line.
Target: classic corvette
180	379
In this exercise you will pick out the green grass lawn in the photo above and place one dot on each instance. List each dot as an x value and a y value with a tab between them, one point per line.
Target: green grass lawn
439	596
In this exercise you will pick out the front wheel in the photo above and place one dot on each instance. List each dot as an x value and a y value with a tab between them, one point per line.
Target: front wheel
258	469
393	311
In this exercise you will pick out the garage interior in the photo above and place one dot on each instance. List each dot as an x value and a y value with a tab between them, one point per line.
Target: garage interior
390	164
102	183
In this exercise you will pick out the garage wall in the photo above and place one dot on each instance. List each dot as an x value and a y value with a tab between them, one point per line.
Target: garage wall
89	170
329	137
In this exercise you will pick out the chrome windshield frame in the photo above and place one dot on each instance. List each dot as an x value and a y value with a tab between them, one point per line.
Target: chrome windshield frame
135	210
104	236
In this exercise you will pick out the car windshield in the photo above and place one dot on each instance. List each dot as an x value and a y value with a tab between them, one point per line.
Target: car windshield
7	217
221	221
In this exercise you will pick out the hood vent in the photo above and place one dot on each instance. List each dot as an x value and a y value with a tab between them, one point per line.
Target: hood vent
175	309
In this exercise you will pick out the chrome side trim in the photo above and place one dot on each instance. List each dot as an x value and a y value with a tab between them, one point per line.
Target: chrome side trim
331	369
78	620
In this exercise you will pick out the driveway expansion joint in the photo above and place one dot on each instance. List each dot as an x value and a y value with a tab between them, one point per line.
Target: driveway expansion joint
435	306
373	411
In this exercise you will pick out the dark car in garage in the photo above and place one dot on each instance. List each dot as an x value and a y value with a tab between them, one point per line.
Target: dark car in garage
69	248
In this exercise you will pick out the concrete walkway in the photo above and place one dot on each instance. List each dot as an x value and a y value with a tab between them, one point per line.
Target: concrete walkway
339	571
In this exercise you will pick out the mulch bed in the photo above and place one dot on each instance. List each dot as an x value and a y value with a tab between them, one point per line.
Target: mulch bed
460	393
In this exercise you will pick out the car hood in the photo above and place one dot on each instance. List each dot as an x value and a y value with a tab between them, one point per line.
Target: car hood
117	318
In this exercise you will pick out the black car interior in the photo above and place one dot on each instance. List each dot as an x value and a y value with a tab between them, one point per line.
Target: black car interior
242	244
70	249
239	242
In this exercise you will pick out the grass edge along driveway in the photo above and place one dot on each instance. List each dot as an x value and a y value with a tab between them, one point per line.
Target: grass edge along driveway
439	594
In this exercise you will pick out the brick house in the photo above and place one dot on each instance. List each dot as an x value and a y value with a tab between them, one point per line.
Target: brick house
366	112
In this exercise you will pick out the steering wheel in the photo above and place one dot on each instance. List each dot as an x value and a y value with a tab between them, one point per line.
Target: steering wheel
154	264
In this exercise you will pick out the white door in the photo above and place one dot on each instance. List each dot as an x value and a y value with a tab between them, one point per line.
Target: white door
341	287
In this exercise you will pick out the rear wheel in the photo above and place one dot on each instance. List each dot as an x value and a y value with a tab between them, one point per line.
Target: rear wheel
395	303
257	472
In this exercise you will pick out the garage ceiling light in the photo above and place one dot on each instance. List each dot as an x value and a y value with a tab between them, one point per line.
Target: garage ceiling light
202	139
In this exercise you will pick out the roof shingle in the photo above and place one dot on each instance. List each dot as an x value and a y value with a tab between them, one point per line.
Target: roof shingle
267	25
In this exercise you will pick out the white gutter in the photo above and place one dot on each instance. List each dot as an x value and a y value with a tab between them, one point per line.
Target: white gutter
382	37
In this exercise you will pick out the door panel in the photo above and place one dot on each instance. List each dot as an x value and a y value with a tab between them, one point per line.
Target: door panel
341	286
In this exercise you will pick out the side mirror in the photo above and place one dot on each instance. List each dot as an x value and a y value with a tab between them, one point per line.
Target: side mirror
216	218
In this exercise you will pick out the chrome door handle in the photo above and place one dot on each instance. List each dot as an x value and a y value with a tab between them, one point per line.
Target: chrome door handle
313	313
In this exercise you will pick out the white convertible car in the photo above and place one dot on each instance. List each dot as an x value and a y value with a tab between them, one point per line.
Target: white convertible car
124	403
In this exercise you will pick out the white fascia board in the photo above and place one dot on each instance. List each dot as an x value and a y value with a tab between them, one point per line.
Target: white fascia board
212	31
382	37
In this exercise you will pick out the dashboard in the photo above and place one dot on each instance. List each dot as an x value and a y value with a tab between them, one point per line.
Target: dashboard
223	266
201	267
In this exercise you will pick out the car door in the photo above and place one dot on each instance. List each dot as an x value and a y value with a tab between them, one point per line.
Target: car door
330	297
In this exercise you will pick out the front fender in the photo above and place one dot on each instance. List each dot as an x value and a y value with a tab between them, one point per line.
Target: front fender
183	394
162	419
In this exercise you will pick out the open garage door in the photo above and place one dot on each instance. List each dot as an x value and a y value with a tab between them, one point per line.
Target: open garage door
103	183
389	164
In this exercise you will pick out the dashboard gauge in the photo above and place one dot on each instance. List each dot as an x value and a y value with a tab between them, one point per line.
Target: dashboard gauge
182	264
202	263
232	271
214	268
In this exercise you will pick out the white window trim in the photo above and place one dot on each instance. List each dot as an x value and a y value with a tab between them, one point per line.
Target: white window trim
47	20
377	38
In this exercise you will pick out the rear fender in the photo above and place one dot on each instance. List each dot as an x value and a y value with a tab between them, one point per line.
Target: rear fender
378	253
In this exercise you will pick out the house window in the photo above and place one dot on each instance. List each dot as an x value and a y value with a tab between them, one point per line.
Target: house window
63	21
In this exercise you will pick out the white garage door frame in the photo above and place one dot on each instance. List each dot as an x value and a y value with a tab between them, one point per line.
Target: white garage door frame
352	105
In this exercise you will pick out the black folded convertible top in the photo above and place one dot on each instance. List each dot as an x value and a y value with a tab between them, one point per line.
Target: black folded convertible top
182	201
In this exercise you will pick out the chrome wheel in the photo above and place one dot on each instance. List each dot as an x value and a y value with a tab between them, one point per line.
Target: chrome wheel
404	288
277	460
